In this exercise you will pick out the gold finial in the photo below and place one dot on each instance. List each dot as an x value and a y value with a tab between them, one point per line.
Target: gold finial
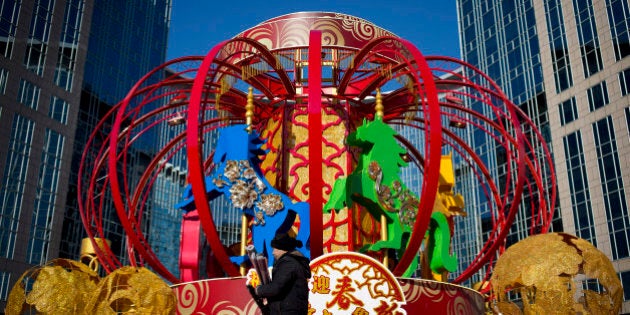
379	105
88	252
249	109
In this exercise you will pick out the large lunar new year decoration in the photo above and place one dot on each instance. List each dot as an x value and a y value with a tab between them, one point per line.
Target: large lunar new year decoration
304	124
556	273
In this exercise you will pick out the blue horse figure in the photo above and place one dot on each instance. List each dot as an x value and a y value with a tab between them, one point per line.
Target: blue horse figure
238	176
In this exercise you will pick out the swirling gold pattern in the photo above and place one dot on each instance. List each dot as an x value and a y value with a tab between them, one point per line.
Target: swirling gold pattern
227	308
292	30
225	296
358	27
331	33
192	297
433	297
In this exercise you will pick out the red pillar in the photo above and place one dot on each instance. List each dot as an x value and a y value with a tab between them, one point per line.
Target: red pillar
315	140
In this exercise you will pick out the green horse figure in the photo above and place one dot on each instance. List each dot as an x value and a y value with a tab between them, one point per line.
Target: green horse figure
375	184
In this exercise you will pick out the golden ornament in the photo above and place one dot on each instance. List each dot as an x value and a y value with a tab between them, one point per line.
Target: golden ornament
549	272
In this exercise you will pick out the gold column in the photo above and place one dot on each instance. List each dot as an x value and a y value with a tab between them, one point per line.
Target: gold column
249	115
379	108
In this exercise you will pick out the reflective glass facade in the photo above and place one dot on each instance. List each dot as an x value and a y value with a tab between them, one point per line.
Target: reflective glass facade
559	49
68	44
583	55
9	12
597	96
48	179
619	20
127	40
501	38
46	48
578	183
568	111
587	34
624	81
37	44
14	182
615	201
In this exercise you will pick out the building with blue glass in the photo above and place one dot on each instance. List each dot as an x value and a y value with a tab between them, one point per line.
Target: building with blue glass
63	64
566	64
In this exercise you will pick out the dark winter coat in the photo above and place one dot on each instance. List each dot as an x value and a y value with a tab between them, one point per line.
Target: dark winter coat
287	293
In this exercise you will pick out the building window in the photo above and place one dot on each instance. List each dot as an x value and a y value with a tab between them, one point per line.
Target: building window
568	111
58	109
13	182
612	188
5	280
37	44
28	94
9	12
625	283
624	82
578	185
597	96
619	20
587	35
64	71
41	222
627	110
4	74
559	47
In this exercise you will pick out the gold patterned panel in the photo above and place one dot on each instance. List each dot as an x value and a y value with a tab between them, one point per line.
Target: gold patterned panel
334	133
272	160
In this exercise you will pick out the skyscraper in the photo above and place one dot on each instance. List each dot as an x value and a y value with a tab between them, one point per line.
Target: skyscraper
63	64
566	64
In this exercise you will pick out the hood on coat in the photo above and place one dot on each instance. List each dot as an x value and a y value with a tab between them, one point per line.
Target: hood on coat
304	262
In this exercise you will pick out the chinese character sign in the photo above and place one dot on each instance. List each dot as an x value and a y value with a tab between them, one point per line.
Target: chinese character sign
352	283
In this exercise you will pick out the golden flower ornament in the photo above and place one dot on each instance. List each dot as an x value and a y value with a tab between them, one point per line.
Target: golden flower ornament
270	203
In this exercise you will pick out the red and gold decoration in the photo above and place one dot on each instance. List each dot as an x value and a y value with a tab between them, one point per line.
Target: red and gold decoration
342	283
304	83
556	273
351	283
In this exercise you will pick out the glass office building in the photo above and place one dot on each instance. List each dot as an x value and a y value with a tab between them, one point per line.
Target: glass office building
565	63
63	64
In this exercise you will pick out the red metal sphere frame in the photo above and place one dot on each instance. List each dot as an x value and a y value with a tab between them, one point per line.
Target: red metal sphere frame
190	92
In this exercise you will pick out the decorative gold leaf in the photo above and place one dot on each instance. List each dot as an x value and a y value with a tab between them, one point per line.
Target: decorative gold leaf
60	287
131	289
508	308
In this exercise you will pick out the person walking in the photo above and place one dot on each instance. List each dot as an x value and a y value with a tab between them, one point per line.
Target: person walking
287	293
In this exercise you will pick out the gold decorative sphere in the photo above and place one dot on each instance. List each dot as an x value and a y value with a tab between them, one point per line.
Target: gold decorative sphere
65	286
556	273
61	286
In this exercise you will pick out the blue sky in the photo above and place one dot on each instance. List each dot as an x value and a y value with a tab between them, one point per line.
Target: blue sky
198	25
